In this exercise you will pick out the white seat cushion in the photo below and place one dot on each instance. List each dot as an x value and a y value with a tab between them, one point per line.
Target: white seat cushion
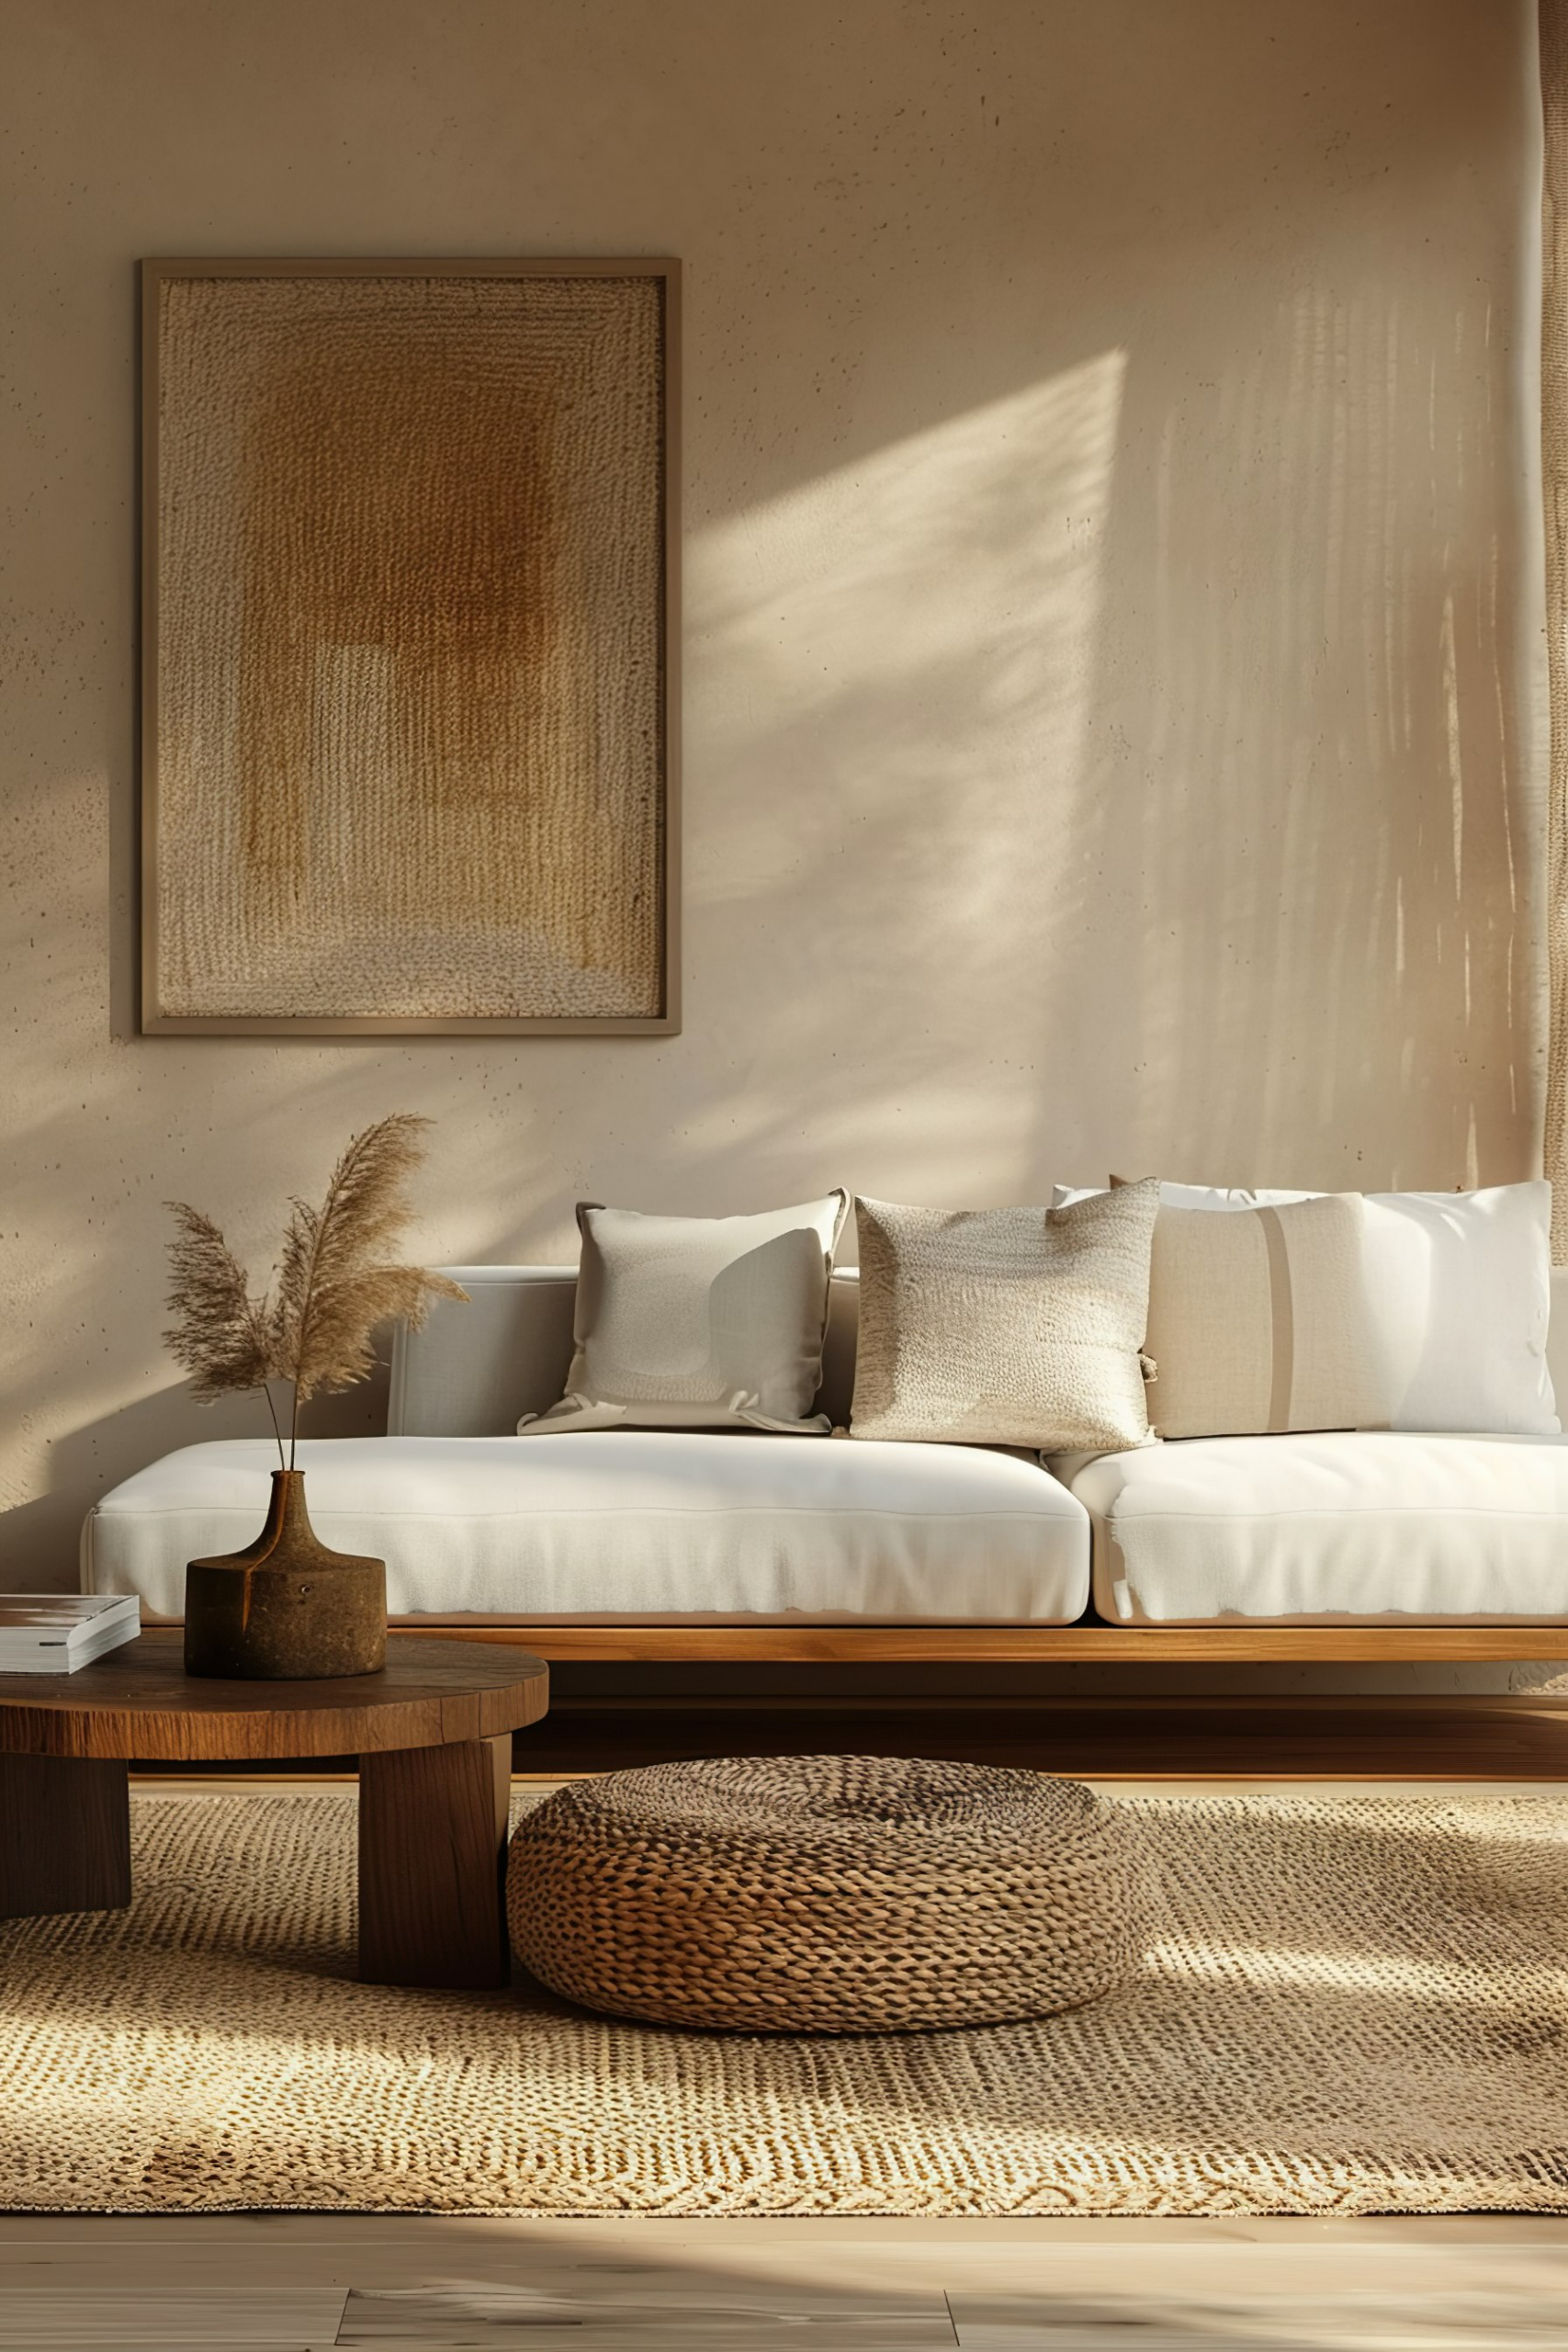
1333	1528
630	1525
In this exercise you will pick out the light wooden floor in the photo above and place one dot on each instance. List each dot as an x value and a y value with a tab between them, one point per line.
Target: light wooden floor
278	2284
281	2283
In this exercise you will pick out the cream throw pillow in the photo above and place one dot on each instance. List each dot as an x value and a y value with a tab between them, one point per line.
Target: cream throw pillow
686	1322
1261	1321
1460	1284
1005	1327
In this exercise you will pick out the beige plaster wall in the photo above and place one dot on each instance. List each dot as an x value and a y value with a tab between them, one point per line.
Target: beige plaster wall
1110	630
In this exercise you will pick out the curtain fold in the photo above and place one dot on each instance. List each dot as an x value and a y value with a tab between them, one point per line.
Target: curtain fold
1555	484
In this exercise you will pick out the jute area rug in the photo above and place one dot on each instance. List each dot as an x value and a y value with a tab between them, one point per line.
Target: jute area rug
1359	2007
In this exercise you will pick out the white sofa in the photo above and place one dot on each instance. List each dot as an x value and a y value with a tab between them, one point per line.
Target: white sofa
649	1528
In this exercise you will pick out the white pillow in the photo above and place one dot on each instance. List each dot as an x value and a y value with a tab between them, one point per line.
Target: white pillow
689	1322
1460	1284
1188	1196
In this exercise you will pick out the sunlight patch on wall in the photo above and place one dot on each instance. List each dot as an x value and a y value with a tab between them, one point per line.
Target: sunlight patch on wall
1302	794
898	658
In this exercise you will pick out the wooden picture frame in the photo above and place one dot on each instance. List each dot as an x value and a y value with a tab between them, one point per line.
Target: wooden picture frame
410	577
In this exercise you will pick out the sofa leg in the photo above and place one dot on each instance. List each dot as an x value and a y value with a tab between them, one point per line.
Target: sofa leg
64	1835
432	1828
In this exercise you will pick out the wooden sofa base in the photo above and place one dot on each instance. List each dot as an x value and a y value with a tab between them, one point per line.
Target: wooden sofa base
1394	1737
1019	1645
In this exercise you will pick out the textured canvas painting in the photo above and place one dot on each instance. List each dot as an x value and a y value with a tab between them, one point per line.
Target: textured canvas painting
406	708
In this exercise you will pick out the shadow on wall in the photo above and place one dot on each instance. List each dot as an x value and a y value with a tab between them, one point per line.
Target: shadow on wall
1081	759
87	1313
39	1539
1330	912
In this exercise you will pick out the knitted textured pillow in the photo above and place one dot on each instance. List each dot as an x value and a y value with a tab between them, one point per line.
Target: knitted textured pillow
1005	1327
688	1322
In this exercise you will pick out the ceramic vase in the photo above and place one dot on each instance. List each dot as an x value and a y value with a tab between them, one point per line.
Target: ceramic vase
285	1608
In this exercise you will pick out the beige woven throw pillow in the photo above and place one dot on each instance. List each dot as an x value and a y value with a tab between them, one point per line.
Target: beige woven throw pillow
689	1322
1005	1327
1261	1321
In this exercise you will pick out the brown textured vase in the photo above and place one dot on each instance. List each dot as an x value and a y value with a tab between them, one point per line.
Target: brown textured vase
285	1608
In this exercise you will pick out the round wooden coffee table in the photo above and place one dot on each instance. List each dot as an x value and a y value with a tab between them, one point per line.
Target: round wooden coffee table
432	1732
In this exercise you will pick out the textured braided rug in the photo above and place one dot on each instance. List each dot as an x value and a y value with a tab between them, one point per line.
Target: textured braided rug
1361	2007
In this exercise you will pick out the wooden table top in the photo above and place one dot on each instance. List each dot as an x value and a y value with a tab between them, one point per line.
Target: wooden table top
139	1703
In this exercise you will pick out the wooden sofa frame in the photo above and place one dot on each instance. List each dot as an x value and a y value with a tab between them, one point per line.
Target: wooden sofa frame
1088	1641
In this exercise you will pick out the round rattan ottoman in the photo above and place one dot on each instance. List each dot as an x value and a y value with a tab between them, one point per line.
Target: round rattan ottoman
829	1894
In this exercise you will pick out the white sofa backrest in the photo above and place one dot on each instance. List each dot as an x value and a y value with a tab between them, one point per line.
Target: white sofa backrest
475	1369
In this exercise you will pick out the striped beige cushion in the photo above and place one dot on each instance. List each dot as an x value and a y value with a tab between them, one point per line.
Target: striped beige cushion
1259	1321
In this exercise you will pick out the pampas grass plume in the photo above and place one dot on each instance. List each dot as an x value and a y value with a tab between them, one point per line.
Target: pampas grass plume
336	1281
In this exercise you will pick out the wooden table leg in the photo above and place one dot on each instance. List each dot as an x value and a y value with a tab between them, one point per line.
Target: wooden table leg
432	1859
64	1835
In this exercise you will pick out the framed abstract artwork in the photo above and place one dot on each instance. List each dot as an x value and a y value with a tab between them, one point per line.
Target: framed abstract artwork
409	591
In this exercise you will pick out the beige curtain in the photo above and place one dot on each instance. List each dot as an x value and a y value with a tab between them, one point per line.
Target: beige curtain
1554	432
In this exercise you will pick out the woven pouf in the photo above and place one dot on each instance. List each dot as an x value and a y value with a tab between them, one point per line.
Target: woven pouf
829	1894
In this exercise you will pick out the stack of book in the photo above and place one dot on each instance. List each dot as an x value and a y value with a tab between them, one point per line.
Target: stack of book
55	1633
